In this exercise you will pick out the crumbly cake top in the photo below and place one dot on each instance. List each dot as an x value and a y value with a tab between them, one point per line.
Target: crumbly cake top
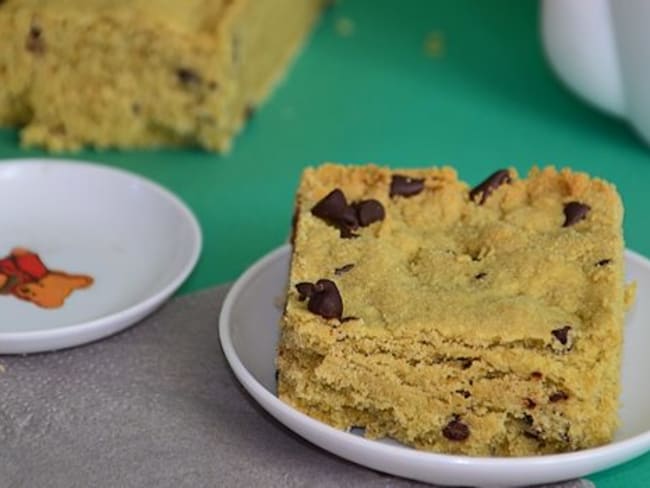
188	15
511	260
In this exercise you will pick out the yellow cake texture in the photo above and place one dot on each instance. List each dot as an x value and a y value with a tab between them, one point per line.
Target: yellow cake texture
484	321
142	73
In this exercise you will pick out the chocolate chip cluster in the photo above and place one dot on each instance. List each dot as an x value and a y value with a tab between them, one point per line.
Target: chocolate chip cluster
336	211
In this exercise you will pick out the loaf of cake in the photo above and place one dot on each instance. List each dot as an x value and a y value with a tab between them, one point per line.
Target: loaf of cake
483	321
142	73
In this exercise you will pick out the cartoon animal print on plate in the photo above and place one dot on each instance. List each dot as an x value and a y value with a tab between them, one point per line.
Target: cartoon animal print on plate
24	276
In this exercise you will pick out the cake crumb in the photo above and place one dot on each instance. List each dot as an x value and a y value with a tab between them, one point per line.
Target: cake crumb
345	27
630	295
434	44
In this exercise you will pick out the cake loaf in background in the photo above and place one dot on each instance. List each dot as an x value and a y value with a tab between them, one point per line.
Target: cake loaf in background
142	73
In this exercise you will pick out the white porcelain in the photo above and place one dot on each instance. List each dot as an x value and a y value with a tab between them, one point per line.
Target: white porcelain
137	241
599	49
249	333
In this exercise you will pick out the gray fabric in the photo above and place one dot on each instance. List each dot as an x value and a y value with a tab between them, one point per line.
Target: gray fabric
158	406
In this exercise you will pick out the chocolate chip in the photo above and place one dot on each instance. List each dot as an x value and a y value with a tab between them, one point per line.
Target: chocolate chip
494	374
603	262
346	233
343	269
574	212
480	276
369	211
305	290
349	217
530	403
277	375
35	43
456	431
188	77
485	188
562	334
35	32
348	319
326	300
466	363
532	434
249	112
464	393
405	186
536	375
332	207
530	431
558	396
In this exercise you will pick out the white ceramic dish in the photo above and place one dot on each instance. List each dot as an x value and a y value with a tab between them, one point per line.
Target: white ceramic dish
249	333
136	240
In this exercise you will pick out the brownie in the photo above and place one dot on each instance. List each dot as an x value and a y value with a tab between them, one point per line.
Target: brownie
483	321
142	73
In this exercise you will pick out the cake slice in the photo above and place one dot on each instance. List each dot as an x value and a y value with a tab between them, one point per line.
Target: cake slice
139	73
484	321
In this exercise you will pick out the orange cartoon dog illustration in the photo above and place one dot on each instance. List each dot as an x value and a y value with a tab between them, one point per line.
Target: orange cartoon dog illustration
23	275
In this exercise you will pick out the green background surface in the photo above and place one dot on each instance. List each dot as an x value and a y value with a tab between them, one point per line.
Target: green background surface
487	101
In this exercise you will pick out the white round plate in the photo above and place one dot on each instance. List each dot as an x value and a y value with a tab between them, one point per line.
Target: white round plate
249	335
136	240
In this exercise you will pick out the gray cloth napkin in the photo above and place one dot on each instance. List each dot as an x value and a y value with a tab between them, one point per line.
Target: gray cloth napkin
156	405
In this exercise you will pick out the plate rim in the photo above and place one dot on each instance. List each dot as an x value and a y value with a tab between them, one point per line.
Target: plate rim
578	463
125	317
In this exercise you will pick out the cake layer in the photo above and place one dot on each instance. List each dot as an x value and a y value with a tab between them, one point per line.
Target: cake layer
493	314
142	73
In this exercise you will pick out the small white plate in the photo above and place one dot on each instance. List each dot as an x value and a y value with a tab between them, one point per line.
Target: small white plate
249	335
136	240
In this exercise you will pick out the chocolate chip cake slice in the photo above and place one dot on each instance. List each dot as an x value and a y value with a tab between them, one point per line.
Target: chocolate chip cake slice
483	321
142	73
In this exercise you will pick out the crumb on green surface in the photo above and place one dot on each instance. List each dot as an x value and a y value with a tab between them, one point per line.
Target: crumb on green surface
345	27
434	44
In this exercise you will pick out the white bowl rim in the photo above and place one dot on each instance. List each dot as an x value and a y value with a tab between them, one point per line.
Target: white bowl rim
196	240
615	451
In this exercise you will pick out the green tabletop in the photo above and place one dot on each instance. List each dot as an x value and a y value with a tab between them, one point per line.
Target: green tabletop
365	89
